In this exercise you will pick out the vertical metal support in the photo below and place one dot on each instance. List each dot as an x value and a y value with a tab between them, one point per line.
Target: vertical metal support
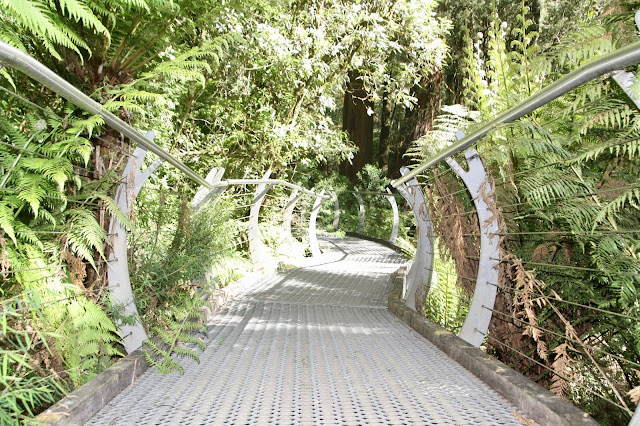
257	249
313	237
336	209
361	210
118	269
477	182
396	218
205	194
625	80
418	280
635	420
288	214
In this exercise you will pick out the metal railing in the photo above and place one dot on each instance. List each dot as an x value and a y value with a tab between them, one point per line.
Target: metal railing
614	61
132	180
487	285
488	294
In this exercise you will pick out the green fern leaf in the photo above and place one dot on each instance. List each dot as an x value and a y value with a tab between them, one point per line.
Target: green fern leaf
7	221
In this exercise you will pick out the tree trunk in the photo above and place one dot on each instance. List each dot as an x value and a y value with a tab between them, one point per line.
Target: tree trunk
429	100
418	121
358	124
385	130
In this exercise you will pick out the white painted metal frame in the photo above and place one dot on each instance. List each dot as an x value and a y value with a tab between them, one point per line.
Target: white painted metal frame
118	269
313	217
356	194
336	209
256	247
288	215
396	217
477	182
205	194
418	279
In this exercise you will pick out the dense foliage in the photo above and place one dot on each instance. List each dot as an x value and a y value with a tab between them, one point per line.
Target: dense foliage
566	185
307	88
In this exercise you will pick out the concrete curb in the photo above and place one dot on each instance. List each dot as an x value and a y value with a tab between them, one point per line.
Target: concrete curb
84	402
81	404
531	399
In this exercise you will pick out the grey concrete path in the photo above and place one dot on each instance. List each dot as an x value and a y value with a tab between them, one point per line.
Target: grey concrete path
315	345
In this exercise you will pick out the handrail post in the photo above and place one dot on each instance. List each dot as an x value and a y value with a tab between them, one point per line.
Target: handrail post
336	209
205	194
356	193
256	247
479	186
396	217
288	214
313	237
418	279
118	270
288	243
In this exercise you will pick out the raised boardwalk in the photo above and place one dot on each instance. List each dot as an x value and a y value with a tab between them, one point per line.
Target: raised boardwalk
315	345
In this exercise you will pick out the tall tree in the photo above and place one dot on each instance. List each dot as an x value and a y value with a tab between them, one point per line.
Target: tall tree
357	122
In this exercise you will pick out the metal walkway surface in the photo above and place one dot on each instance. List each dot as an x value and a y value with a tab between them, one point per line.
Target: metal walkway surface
314	345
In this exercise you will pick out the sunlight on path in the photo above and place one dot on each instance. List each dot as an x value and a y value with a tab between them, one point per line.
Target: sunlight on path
314	345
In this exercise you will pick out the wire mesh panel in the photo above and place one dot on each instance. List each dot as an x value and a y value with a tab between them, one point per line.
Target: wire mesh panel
315	346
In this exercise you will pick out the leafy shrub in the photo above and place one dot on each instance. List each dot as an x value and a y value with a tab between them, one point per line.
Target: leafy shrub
27	383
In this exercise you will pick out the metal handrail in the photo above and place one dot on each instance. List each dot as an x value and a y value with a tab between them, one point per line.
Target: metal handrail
15	58
382	194
231	182
605	64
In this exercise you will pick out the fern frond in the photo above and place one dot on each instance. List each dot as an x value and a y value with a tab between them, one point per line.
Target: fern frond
115	211
85	234
179	332
7	220
619	147
80	12
541	190
114	106
77	146
631	197
56	169
5	73
42	22
85	125
610	115
33	188
581	46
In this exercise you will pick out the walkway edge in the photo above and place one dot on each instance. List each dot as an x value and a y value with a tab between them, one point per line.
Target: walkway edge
84	402
531	399
382	241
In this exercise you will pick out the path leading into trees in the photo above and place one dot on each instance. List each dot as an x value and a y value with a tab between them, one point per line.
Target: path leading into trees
315	345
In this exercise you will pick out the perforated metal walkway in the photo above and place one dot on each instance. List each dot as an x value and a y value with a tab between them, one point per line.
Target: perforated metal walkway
315	345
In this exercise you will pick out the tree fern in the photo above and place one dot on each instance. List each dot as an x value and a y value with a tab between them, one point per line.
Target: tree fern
86	338
41	20
181	324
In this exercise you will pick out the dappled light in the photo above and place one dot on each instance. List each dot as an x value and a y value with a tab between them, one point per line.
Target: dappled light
283	212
